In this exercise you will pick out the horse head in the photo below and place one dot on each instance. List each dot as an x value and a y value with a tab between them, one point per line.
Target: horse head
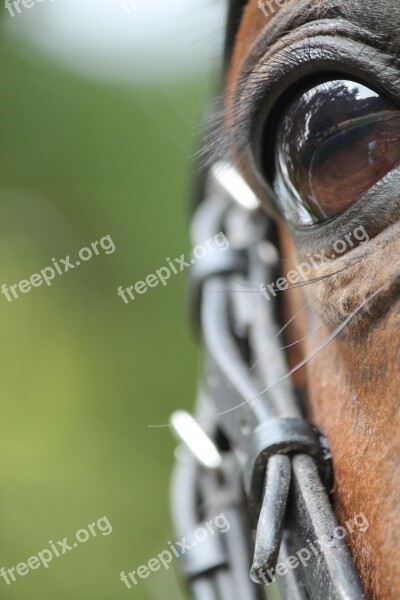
309	117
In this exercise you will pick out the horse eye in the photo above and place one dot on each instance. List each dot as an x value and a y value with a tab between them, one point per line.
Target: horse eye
332	143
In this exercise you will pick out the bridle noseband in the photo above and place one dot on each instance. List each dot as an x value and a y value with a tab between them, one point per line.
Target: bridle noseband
273	474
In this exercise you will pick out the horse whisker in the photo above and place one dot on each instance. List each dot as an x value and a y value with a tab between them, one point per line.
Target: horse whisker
282	330
253	290
322	277
301	364
304	361
309	334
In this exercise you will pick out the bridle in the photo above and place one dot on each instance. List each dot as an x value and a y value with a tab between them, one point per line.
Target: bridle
260	462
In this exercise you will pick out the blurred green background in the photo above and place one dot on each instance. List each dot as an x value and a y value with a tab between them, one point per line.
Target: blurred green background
83	374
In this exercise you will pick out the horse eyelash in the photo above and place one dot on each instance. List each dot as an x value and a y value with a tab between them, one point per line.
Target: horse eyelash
216	142
214	146
216	139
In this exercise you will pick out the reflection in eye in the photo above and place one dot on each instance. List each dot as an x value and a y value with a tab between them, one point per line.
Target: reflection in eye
333	143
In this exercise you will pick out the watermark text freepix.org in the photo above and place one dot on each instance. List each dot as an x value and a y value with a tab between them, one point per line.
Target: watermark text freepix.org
16	5
358	522
270	7
303	270
217	243
59	267
219	524
58	549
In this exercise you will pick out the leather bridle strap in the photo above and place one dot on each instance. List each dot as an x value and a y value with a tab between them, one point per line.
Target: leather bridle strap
278	462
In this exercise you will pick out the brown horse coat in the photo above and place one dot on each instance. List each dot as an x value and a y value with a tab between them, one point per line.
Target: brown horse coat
352	386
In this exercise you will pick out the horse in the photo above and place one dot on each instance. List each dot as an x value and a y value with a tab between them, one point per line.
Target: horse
308	115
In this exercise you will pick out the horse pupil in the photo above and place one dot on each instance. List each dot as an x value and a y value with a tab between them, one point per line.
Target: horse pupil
333	142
